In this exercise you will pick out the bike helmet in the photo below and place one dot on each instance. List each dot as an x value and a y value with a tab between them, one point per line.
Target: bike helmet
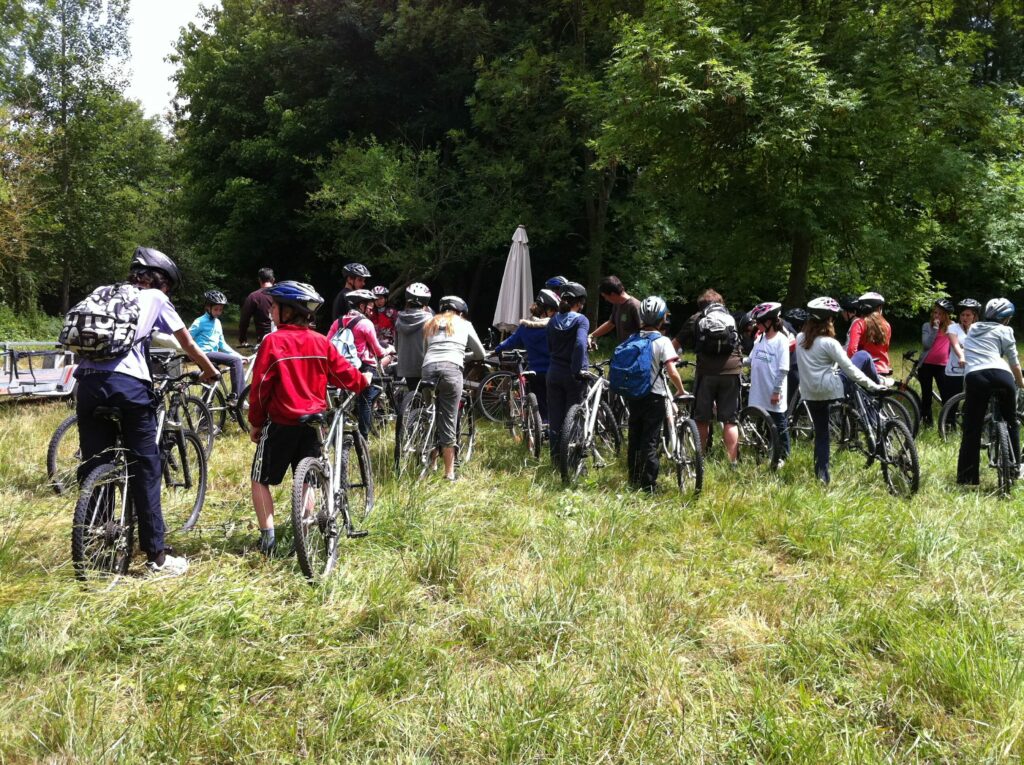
546	299
381	291
215	297
946	305
766	312
652	311
417	292
453	303
146	258
795	316
556	283
823	308
848	303
744	320
969	304
999	309
870	301
574	291
357	270
356	298
296	294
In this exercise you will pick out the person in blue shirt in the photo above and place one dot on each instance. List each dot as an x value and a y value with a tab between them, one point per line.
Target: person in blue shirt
567	342
209	336
532	336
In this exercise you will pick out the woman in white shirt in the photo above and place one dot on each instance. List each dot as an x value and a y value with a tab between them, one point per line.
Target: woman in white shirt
769	369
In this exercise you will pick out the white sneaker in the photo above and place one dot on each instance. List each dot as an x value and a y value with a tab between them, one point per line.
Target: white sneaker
174	565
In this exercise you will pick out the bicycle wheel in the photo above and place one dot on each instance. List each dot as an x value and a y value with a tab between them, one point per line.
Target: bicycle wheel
63	455
184	485
915	398
573	446
900	466
465	432
607	437
241	410
412	435
357	472
200	420
493	395
1003	461
217	403
688	438
533	427
950	418
800	424
516	414
897	405
314	519
103	526
759	437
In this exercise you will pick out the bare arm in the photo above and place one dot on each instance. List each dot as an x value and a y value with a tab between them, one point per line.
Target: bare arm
673	375
603	330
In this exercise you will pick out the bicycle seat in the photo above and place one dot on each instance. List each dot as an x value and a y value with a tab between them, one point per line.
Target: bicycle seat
314	419
427	384
111	413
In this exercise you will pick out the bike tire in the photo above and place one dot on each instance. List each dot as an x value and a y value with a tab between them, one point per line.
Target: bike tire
241	410
184	468
410	432
572	448
1005	465
759	437
688	437
950	417
314	522
533	427
491	396
515	422
103	524
801	426
896	404
358	475
901	468
201	421
63	455
465	432
607	437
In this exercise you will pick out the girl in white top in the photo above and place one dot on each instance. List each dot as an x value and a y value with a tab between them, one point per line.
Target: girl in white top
970	312
769	368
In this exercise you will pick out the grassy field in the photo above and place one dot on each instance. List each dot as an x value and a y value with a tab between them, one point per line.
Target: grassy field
505	619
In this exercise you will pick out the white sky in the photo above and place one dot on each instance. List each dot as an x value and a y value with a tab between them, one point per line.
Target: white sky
155	25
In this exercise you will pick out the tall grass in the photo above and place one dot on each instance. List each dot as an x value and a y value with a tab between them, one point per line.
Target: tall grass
504	618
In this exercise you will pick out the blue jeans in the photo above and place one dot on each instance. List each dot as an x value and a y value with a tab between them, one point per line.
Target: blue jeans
564	390
364	404
822	444
134	397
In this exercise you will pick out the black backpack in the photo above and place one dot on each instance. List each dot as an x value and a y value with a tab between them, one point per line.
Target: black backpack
716	332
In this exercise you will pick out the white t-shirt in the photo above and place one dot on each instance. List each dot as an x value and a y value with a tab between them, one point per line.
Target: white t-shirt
769	359
953	368
661	353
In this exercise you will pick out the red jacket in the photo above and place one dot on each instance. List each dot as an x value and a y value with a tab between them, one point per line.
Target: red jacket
290	375
859	342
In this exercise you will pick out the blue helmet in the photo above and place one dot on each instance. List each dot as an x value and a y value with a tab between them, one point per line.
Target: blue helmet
299	295
556	283
999	309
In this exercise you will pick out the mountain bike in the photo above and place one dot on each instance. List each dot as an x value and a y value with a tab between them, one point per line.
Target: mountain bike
218	400
102	528
327	489
522	415
415	437
951	414
680	442
870	427
757	433
997	445
590	429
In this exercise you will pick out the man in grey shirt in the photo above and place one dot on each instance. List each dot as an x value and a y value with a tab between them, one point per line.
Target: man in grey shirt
625	318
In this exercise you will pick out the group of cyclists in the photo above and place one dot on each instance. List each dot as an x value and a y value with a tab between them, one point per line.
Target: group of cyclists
966	347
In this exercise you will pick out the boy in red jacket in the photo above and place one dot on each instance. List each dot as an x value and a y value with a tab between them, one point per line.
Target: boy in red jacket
289	380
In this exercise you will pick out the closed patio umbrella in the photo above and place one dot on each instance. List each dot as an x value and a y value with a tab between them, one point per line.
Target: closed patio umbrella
516	292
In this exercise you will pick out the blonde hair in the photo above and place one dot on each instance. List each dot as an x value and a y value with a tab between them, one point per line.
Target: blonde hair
815	328
441	322
876	329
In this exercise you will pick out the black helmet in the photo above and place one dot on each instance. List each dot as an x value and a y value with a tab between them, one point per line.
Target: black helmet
356	270
795	316
298	295
946	305
546	299
146	258
574	291
453	303
849	303
356	298
215	297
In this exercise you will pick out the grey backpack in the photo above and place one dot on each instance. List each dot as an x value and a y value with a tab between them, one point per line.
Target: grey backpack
104	325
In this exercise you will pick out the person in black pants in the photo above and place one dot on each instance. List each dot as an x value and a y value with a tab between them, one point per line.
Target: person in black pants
647	413
567	341
989	345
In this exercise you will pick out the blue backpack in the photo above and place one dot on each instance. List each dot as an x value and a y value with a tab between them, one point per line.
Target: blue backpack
632	365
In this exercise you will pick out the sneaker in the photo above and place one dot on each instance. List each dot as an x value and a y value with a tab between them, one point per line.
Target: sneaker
780	464
232	399
173	565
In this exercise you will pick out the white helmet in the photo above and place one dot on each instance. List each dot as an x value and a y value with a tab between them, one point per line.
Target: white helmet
418	293
652	311
823	308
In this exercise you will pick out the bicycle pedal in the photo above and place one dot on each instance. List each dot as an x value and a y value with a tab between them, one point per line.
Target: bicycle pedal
357	533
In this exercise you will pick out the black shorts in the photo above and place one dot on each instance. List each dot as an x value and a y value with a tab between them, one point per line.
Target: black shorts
717	397
281	447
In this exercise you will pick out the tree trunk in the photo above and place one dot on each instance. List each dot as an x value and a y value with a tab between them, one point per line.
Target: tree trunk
800	260
597	219
65	288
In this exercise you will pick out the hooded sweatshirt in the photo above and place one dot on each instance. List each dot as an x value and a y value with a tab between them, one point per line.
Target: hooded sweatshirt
532	336
409	341
819	375
567	342
989	345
